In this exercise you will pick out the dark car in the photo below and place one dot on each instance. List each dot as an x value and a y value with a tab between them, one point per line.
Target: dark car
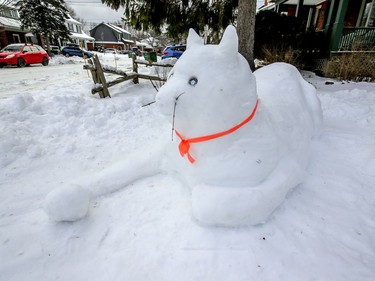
55	50
174	51
75	50
22	55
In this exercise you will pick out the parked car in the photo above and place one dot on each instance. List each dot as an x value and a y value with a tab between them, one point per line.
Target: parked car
23	55
111	51
136	51
99	49
55	50
75	50
174	51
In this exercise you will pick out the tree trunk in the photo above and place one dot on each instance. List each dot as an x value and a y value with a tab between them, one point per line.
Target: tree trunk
245	29
48	44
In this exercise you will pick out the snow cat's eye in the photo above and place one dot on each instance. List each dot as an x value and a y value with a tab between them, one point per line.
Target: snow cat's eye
193	81
171	74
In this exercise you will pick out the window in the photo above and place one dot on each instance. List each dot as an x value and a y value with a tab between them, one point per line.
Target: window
26	49
16	38
6	13
13	13
12	48
70	27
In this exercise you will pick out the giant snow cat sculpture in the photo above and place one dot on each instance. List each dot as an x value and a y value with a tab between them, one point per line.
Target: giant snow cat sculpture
242	140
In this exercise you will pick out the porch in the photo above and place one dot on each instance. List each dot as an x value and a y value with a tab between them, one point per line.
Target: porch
348	25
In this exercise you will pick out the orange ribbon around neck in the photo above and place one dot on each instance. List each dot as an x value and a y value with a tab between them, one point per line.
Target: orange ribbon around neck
184	145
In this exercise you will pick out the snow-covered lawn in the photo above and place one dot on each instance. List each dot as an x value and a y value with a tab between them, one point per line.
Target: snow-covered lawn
55	132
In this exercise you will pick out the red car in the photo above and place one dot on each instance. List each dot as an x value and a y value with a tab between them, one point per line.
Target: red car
22	55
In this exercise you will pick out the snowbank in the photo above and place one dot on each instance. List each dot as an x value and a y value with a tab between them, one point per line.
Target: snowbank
59	134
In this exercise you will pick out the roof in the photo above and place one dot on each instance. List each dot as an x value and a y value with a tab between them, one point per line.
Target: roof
117	28
9	23
295	2
140	44
109	42
127	41
82	36
71	20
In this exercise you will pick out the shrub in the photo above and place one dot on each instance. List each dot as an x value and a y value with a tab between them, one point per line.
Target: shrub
355	66
286	54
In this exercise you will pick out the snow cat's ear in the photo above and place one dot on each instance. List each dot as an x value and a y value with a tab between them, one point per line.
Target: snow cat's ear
193	40
229	42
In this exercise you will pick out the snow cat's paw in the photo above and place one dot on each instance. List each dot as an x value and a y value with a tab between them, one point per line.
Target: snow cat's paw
67	203
235	206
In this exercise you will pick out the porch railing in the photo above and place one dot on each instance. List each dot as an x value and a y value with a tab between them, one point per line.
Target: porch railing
357	39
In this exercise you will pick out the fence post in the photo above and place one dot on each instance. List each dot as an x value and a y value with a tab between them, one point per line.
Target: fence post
101	78
135	69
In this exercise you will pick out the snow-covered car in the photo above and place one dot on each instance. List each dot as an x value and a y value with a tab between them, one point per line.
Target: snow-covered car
111	51
75	50
23	55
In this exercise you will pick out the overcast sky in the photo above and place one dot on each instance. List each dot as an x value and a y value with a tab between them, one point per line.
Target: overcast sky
95	11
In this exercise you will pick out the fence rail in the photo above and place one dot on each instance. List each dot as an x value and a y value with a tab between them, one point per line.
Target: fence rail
357	39
100	83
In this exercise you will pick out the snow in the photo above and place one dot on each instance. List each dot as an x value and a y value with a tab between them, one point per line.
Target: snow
56	133
8	22
67	203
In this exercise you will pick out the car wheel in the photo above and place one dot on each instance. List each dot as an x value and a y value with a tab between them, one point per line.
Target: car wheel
45	61
67	55
21	62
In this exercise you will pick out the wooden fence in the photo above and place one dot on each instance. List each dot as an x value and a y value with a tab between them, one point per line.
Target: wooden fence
101	85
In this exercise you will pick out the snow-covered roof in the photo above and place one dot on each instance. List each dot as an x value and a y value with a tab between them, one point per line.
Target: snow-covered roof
143	45
147	42
127	41
117	28
71	20
109	42
8	22
82	36
140	44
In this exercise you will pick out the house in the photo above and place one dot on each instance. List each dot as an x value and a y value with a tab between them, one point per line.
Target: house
111	36
10	27
11	31
348	25
144	46
77	35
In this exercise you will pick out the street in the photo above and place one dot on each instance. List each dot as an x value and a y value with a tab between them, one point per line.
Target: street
16	80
